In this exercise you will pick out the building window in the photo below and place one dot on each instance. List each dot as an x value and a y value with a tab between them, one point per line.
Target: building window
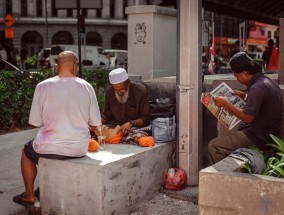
94	39
62	37
112	8
24	8
8	6
69	13
269	34
99	13
119	41
262	30
38	7
124	6
32	40
53	10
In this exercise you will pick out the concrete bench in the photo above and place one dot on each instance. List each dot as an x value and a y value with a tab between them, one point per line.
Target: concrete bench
111	181
224	191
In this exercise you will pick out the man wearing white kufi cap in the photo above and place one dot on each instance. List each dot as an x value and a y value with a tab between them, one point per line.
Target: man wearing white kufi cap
127	102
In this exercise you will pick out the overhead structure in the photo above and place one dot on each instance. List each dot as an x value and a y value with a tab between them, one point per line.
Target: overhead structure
258	10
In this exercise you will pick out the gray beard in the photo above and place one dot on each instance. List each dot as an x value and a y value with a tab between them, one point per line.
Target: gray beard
122	99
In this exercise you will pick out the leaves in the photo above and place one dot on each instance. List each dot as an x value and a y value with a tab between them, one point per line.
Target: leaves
16	93
275	164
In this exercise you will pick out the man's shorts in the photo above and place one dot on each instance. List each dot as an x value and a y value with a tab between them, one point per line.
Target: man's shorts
34	156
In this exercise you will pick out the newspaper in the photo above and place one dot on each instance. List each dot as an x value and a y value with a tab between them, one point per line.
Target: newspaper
226	118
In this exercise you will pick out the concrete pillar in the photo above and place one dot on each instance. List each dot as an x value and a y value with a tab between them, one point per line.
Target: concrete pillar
152	41
105	10
92	13
31	8
119	9
16	8
62	13
281	52
49	8
189	88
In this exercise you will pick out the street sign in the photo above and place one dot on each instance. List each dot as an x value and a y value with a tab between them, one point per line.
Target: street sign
9	20
9	33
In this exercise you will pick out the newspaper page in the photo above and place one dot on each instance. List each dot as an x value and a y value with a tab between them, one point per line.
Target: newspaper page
226	118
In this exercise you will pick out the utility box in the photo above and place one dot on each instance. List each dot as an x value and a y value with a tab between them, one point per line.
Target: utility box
152	41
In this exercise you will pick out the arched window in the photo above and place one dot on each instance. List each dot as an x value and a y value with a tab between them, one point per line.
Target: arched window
62	37
94	39
32	40
119	41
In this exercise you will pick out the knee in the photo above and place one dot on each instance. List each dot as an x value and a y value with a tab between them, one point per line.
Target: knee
211	146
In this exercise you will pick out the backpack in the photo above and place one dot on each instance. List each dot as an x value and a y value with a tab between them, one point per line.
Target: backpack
163	124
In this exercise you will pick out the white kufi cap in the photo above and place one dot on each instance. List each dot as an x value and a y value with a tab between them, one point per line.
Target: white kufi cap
118	76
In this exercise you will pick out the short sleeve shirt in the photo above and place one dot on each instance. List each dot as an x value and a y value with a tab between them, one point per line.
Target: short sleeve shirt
264	101
64	108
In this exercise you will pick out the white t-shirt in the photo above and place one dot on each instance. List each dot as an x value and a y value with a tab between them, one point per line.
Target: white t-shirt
64	108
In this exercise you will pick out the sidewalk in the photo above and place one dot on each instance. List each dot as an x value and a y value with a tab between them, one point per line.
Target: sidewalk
11	184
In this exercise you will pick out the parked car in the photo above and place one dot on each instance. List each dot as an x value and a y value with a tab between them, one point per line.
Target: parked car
90	55
117	57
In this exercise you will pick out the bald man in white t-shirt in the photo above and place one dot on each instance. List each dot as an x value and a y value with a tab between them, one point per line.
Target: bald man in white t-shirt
65	108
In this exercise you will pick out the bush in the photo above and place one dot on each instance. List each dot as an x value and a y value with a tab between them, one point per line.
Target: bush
98	78
31	62
16	94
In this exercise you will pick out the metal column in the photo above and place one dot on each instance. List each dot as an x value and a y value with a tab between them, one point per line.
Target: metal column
189	87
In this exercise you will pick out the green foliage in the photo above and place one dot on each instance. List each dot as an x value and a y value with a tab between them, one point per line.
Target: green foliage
275	164
16	93
32	62
98	78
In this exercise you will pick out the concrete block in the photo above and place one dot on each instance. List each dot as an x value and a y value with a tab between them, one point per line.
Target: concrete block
111	181
150	27
223	191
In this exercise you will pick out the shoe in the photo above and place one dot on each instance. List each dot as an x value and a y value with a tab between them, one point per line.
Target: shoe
37	193
18	199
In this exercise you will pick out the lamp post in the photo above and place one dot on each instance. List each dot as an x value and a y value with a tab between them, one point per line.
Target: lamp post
46	24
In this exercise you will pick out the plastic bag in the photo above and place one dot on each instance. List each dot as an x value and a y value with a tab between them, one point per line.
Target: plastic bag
174	179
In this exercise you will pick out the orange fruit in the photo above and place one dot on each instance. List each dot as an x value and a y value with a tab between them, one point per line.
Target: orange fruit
93	145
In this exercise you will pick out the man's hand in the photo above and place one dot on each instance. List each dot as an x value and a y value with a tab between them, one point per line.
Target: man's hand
125	128
221	101
241	94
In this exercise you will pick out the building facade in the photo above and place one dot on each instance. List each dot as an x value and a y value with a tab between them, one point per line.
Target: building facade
38	23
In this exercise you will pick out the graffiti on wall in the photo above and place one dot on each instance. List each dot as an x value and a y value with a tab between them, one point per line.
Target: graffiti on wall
140	33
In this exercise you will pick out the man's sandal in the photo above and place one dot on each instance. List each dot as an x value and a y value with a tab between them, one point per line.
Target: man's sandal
18	199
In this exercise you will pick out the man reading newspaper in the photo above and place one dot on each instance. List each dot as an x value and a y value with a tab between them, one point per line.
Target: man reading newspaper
261	115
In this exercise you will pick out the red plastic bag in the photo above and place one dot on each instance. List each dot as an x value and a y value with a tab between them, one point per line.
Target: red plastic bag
174	179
